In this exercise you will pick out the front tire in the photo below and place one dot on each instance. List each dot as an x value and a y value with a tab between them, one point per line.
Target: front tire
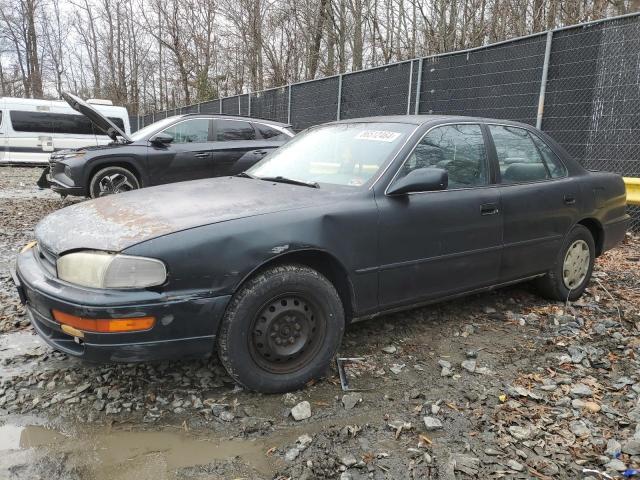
110	180
571	273
281	329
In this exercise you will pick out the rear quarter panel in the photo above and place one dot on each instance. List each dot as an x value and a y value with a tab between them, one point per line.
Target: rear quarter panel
604	196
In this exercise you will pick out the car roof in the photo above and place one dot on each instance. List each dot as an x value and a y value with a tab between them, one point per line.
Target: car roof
233	117
431	119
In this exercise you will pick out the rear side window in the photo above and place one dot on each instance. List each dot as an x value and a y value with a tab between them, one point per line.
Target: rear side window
458	149
230	130
42	122
271	133
555	166
520	157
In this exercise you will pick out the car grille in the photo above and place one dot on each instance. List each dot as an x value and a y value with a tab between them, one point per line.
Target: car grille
47	259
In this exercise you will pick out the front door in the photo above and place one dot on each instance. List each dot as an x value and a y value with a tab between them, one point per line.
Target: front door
434	244
538	201
187	157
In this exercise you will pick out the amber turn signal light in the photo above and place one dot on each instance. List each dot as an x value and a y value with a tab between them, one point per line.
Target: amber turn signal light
104	325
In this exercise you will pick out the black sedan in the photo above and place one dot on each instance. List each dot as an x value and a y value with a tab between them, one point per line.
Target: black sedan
346	221
174	149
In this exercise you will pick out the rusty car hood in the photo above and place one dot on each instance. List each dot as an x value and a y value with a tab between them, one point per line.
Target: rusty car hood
116	222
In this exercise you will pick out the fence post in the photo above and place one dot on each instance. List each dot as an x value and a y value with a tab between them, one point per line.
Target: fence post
249	112
410	86
220	106
339	111
289	107
543	80
239	109
199	107
416	110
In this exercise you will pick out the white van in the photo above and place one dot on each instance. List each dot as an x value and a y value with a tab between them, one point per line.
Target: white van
31	129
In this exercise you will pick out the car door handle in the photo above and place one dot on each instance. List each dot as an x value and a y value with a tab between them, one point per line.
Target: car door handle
201	154
489	209
569	200
260	152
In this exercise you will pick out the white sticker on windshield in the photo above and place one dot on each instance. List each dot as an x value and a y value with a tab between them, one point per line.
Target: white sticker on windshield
378	135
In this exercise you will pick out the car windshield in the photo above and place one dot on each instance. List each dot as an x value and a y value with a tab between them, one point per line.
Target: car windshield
159	125
347	154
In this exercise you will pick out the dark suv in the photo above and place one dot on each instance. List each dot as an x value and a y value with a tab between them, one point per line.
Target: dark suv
174	149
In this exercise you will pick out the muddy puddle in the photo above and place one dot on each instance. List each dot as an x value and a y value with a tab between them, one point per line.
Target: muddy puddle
23	345
110	453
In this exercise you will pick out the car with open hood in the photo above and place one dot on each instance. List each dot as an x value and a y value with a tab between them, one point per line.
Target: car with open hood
174	149
346	221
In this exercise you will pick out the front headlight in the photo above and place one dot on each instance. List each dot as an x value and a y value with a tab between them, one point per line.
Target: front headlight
77	153
109	270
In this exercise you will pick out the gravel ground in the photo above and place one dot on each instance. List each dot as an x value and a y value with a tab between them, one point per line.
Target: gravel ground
499	385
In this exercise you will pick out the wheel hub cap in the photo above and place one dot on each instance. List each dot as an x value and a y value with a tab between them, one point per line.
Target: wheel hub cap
115	183
283	331
576	264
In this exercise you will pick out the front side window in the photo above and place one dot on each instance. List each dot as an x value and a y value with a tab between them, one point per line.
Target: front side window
458	149
190	131
230	130
348	154
523	157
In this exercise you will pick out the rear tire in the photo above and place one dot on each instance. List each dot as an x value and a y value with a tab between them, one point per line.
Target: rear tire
111	180
571	273
281	329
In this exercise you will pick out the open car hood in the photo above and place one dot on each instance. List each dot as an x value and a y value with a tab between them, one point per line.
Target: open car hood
98	119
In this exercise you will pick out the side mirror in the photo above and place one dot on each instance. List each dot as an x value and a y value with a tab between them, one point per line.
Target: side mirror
161	139
421	180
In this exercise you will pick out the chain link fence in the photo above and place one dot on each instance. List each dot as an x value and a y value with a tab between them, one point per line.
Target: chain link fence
580	84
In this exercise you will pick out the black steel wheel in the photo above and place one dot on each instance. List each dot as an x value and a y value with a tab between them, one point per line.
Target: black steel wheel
281	329
286	333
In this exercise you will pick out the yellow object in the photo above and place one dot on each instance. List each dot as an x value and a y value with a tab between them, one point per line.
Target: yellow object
69	330
28	246
502	398
633	190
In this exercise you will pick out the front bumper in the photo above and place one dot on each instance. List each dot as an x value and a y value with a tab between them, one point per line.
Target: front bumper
186	324
60	182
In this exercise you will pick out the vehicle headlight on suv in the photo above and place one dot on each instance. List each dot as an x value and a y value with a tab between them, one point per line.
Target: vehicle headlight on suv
110	270
75	154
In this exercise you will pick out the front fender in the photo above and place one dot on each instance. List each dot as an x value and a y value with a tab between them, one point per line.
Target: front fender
217	258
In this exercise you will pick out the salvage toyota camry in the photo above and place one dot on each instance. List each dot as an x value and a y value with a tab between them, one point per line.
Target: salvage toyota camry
346	221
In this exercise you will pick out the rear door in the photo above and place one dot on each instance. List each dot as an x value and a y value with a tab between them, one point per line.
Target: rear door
539	201
236	147
188	157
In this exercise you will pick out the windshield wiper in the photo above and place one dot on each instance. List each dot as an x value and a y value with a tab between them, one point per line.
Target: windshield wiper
281	179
